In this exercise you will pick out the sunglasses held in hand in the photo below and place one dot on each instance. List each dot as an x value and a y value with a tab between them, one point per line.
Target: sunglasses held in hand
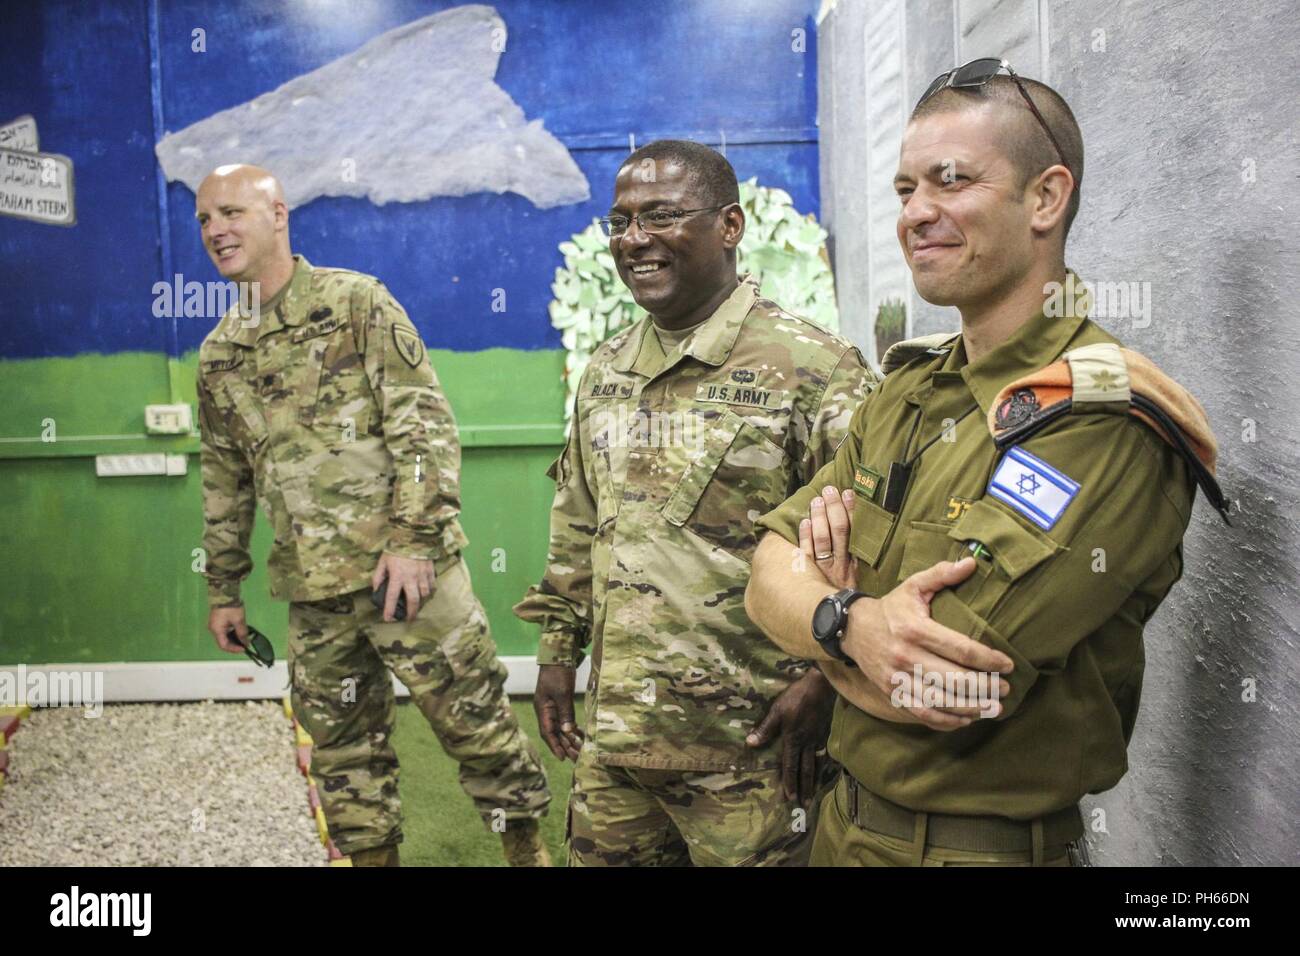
258	648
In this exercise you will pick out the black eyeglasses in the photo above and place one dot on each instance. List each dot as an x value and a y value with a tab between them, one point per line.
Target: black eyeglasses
258	648
656	220
977	73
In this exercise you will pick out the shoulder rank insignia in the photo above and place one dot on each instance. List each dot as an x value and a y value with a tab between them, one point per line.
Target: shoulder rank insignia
409	346
1107	378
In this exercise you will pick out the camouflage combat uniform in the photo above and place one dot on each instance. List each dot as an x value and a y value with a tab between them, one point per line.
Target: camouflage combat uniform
670	460
325	410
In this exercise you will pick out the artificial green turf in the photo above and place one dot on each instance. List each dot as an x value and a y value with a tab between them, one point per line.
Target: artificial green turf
440	824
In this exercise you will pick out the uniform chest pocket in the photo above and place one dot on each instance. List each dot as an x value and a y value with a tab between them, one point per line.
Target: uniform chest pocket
234	400
600	426
328	380
736	475
1006	552
869	529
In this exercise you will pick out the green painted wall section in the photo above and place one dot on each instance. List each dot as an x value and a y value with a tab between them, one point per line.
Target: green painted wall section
101	569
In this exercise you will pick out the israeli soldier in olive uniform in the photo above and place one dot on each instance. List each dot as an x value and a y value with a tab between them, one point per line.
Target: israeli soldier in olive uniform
1019	494
683	433
323	408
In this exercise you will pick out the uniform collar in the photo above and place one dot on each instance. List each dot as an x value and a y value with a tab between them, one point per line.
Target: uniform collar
711	342
628	347
1037	343
288	311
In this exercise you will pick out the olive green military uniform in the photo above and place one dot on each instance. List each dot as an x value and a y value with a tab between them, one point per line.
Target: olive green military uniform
1081	527
325	410
675	449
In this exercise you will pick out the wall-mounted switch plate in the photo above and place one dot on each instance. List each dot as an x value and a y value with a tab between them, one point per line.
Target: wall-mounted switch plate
168	419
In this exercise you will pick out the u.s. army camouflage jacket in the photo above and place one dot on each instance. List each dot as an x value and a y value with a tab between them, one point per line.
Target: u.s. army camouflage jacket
669	462
325	410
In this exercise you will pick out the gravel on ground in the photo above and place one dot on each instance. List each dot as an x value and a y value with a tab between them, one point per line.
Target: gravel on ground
196	784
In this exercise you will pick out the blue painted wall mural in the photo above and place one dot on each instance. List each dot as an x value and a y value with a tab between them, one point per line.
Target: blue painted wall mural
102	568
596	73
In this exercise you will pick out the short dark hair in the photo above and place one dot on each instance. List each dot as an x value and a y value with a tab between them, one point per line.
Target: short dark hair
1030	149
709	173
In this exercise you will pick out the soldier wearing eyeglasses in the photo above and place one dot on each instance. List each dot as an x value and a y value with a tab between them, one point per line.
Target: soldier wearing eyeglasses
701	739
1016	500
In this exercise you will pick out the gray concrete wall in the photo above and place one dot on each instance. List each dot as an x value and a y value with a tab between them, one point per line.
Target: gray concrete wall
1188	111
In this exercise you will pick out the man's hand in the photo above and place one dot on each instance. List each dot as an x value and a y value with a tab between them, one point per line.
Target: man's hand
223	620
895	634
801	717
553	704
825	533
908	630
413	577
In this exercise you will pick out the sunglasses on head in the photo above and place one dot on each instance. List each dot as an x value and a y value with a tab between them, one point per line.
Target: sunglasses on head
258	648
977	73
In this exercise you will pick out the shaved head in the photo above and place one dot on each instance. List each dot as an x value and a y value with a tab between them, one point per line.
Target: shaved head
1025	142
245	225
261	180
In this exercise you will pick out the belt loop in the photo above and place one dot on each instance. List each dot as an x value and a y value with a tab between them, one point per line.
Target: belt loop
1036	835
853	799
919	836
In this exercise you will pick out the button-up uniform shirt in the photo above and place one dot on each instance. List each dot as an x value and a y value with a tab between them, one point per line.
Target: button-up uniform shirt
1081	530
326	411
670	459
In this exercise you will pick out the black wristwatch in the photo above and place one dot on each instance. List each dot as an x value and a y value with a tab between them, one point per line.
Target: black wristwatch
829	621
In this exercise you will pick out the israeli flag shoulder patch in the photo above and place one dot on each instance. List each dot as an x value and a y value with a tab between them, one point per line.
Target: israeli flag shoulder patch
1032	487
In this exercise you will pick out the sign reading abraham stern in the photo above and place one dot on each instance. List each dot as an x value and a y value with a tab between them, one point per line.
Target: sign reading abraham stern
37	186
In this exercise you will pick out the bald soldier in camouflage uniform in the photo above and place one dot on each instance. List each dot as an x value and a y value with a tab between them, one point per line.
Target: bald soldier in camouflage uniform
687	427
325	409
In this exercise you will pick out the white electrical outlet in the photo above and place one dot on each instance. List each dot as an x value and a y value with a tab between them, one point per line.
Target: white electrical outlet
120	466
168	419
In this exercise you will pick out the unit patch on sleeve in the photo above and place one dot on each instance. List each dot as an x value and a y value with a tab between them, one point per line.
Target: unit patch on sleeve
409	346
1033	487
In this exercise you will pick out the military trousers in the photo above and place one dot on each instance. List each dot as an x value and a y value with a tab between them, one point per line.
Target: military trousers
631	816
839	841
340	655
